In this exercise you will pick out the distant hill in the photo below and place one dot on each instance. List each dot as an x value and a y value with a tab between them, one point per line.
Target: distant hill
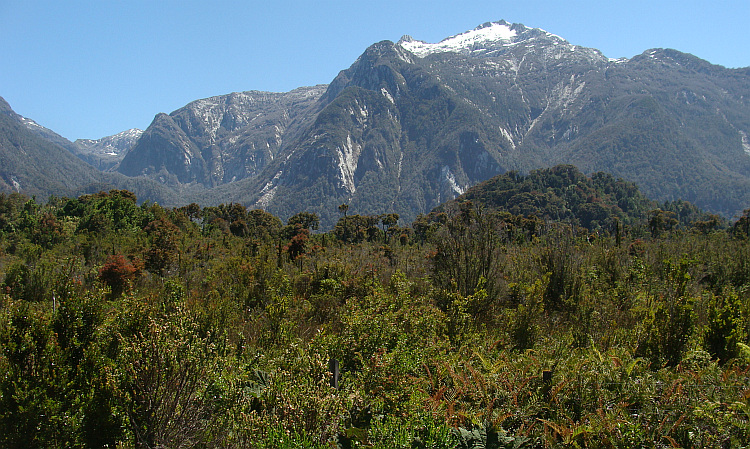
564	194
34	164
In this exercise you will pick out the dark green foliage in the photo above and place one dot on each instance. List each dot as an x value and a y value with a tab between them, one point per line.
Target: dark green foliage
741	227
75	325
163	249
565	280
10	206
487	437
660	221
168	377
524	330
669	321
106	212
31	408
668	328
305	220
18	282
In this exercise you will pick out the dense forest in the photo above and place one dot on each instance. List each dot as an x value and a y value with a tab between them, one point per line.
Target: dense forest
581	315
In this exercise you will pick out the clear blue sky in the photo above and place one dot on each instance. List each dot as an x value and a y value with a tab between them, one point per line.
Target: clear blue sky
88	69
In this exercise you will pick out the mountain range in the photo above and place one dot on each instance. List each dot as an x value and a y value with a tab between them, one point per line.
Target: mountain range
411	124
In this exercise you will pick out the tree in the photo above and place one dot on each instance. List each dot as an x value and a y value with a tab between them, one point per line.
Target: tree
262	225
465	251
163	249
192	210
661	221
357	228
116	273
298	244
742	226
388	220
306	220
712	223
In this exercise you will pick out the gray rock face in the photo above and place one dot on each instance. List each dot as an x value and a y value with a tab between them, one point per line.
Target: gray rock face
220	139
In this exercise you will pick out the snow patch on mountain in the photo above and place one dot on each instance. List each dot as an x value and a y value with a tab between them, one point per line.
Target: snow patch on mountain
494	39
387	94
114	145
266	199
492	32
507	135
465	41
566	93
348	155
450	178
30	124
745	142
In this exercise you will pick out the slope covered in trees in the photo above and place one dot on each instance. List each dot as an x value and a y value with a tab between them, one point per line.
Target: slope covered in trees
141	326
564	194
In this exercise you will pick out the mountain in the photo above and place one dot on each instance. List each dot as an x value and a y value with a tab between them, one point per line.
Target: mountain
33	163
106	152
219	139
45	133
412	124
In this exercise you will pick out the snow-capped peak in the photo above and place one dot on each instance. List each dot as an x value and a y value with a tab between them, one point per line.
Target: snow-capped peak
494	32
133	133
493	39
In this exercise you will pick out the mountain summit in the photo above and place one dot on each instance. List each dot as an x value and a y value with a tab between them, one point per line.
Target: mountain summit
488	39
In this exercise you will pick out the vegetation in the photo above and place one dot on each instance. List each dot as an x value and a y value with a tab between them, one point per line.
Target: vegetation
126	325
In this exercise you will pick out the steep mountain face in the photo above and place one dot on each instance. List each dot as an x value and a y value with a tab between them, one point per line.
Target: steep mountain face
219	139
107	152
